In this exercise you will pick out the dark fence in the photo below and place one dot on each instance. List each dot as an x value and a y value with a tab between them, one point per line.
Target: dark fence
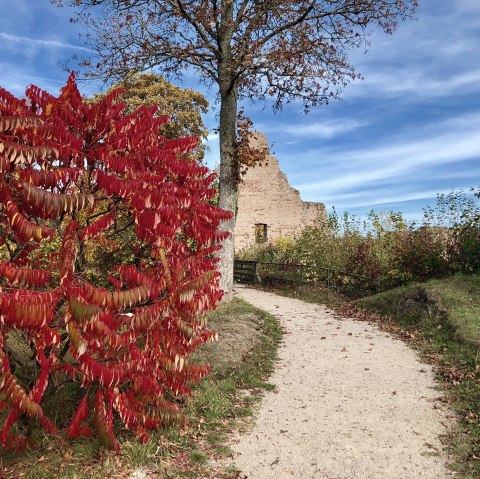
245	272
350	284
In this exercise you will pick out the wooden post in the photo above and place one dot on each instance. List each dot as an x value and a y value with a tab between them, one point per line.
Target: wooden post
328	283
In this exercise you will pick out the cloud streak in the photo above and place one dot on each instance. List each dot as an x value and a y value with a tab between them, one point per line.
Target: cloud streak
320	129
41	43
449	153
409	84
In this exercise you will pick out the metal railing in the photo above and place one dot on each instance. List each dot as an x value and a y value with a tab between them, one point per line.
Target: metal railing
245	272
348	283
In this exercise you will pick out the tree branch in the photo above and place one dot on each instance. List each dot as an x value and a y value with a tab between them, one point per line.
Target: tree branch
196	25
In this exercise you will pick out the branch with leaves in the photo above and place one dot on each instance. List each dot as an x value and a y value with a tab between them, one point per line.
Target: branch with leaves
75	176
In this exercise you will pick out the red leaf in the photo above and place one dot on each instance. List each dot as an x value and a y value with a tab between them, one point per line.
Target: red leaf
104	425
74	430
97	226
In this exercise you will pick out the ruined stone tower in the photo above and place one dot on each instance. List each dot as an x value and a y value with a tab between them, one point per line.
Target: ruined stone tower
268	207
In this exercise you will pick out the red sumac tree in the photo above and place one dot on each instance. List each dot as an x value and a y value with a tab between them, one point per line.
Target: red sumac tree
76	174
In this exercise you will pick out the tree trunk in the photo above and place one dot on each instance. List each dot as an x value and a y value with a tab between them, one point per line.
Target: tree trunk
228	184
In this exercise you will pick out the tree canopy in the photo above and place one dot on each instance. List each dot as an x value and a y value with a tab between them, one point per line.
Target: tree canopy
282	49
183	106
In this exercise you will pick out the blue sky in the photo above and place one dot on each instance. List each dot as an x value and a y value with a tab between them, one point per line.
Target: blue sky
409	130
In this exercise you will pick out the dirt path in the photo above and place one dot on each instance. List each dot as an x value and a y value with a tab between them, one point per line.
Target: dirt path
351	402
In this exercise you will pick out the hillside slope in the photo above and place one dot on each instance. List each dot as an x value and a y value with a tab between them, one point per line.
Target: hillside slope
452	303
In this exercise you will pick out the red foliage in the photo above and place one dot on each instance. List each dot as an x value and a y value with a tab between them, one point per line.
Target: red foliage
74	173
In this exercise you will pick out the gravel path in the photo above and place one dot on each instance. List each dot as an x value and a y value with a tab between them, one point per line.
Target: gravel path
351	402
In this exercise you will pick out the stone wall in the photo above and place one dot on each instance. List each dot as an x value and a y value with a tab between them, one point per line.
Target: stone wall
265	197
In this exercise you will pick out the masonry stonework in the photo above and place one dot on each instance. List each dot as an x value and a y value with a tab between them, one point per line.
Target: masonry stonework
266	198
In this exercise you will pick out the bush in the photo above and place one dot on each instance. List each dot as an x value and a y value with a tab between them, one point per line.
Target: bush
79	178
365	264
422	254
466	249
386	249
281	250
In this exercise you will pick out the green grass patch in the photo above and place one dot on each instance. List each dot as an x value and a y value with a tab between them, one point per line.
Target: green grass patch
444	318
457	299
460	295
241	362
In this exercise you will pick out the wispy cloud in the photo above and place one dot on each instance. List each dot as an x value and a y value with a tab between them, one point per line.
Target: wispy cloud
371	165
395	165
414	84
433	57
16	82
41	43
468	6
320	129
382	200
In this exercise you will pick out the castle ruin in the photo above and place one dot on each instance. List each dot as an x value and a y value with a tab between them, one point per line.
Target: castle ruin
268	207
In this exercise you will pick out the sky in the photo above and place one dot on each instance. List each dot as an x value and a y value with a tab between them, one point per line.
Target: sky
405	133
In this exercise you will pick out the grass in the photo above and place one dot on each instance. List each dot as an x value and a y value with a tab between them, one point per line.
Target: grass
443	318
218	404
461	296
457	298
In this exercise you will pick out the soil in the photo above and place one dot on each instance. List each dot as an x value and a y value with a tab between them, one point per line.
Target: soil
235	339
351	402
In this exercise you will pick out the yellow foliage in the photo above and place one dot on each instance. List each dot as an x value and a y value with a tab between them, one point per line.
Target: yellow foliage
184	106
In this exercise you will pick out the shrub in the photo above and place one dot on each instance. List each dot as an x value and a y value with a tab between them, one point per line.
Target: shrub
385	248
330	244
280	250
422	254
365	265
466	249
78	178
